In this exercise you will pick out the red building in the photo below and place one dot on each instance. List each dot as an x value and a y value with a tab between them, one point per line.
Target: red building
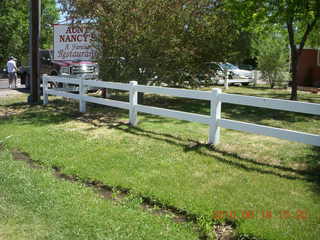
309	68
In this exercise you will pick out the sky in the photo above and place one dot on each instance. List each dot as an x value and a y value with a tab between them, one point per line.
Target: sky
62	16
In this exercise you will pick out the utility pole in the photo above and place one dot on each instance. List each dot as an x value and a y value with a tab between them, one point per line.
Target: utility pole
35	44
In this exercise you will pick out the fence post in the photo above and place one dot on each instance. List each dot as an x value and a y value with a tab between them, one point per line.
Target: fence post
45	90
255	77
82	92
215	113
133	100
226	80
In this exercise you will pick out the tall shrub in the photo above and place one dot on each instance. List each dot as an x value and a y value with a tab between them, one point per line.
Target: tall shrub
273	59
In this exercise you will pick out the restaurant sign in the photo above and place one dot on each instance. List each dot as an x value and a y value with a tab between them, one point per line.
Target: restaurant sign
74	42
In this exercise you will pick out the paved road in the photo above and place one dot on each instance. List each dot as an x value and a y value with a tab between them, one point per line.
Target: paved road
4	83
6	91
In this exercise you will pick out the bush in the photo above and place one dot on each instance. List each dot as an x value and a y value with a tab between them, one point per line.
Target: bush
273	60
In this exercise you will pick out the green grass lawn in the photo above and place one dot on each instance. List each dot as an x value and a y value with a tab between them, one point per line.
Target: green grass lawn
167	160
36	205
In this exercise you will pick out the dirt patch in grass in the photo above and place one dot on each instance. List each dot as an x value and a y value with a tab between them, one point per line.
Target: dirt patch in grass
8	112
95	128
19	156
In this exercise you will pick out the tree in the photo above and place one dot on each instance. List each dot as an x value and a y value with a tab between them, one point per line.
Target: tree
299	17
49	16
156	41
242	48
14	27
272	57
314	39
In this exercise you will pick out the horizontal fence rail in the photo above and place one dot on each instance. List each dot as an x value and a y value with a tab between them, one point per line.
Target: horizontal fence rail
107	102
100	84
195	94
63	94
214	120
271	131
277	104
191	117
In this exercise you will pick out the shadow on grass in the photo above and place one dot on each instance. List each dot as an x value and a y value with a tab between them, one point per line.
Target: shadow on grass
314	159
230	111
311	174
38	115
58	111
237	112
61	111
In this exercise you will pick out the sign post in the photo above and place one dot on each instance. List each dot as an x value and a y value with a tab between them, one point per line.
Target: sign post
35	44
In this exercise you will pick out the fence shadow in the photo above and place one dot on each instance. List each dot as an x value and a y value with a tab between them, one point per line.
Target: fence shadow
310	174
37	114
231	111
60	111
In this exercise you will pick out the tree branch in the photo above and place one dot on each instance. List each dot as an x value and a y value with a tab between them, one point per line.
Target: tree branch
291	34
307	32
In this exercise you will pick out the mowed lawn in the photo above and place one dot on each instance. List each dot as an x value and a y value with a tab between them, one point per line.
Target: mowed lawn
36	205
269	188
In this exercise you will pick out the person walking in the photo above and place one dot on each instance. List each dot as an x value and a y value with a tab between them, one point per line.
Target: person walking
12	72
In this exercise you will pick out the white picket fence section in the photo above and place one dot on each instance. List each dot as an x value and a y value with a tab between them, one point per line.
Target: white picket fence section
214	120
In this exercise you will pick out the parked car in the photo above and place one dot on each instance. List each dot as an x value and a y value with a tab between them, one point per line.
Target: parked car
246	67
3	71
235	75
59	67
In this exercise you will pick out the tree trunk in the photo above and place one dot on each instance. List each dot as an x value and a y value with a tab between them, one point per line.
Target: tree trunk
294	60
294	71
295	53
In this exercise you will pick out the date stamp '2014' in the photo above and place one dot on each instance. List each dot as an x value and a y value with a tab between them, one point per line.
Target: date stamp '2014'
263	214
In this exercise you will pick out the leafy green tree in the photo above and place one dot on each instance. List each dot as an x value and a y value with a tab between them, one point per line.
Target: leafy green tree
273	57
314	39
49	16
14	27
157	41
14	30
299	17
242	48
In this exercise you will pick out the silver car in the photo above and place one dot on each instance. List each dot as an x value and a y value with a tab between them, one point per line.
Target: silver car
234	74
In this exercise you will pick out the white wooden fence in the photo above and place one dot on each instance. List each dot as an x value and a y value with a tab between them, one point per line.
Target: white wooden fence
214	120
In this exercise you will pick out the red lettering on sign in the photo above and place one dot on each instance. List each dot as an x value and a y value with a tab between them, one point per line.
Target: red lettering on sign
68	30
62	38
